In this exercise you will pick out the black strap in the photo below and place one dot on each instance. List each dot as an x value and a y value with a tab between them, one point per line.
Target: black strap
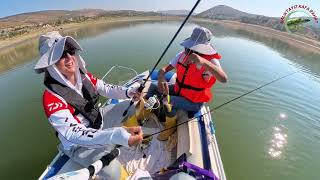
181	64
183	77
185	86
76	112
84	106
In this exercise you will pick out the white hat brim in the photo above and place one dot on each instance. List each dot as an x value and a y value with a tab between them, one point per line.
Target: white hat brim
54	54
206	49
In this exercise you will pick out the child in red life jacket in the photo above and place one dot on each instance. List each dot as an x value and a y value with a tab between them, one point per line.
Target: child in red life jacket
197	70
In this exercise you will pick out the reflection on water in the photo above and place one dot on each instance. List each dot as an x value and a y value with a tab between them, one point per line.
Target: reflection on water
95	30
279	137
24	52
272	133
20	54
303	59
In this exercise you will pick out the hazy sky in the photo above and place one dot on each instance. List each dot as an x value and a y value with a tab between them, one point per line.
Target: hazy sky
267	7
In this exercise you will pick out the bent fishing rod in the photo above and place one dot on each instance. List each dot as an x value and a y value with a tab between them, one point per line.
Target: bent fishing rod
164	52
221	105
94	168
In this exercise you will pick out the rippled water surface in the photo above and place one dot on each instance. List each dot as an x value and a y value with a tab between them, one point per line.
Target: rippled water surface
272	133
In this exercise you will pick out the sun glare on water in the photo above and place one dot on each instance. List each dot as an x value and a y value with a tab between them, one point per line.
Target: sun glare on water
282	116
279	137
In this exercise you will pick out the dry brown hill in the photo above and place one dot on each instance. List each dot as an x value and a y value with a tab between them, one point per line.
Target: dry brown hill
43	17
223	12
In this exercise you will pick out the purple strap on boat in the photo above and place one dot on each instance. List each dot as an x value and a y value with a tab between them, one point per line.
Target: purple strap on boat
200	171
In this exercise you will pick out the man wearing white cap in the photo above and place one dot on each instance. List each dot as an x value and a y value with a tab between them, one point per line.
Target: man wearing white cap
69	103
197	69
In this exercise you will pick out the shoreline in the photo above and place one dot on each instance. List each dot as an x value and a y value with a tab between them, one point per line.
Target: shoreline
8	43
21	49
12	55
294	40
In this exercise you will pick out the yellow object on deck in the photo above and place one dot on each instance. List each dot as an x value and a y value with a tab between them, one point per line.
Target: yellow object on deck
140	115
171	122
123	174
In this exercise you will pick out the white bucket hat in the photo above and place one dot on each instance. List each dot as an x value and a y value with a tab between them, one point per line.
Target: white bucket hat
51	47
199	41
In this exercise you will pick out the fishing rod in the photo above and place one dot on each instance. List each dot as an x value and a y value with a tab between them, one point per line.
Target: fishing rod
221	105
164	52
95	167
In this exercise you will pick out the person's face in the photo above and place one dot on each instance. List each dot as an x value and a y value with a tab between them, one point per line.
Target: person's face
67	63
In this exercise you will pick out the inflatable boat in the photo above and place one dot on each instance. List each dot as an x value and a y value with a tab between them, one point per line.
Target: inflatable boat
190	153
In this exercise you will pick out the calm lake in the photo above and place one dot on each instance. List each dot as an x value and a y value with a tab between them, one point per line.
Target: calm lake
273	133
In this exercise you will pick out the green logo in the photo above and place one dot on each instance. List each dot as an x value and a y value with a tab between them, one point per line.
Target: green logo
299	19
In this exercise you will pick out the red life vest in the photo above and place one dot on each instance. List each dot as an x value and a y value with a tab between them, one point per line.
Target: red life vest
190	82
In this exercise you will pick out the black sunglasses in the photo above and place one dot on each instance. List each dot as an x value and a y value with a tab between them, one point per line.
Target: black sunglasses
189	51
68	51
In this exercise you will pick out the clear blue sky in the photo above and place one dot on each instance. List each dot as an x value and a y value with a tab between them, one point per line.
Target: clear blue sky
268	7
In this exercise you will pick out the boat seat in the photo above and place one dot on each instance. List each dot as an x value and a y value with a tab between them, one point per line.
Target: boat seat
189	139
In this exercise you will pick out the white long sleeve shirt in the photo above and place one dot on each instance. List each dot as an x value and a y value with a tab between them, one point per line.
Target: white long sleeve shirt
74	130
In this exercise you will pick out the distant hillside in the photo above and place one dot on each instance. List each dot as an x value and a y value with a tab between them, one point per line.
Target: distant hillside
129	13
19	24
175	12
43	17
52	16
223	12
24	23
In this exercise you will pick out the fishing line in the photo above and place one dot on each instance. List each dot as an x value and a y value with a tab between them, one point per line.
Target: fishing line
166	49
223	104
215	108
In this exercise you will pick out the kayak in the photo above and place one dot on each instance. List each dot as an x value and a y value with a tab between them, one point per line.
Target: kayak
191	152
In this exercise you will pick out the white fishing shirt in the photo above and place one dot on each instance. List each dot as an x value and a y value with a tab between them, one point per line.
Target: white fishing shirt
74	130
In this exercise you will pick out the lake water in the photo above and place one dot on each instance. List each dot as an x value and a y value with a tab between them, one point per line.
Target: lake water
272	133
